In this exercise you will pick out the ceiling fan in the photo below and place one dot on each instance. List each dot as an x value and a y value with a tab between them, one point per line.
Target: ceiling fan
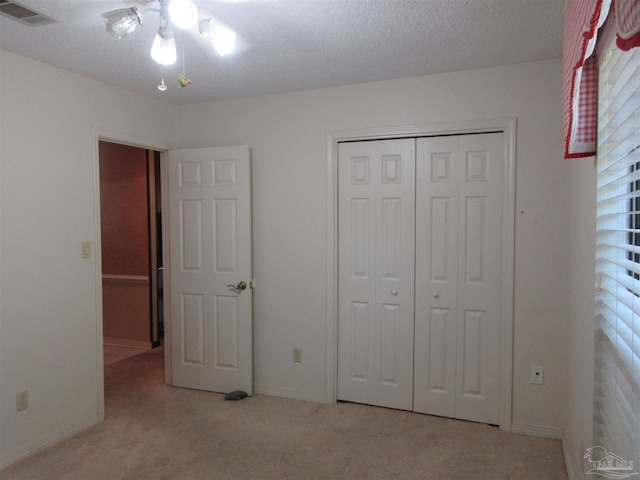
174	15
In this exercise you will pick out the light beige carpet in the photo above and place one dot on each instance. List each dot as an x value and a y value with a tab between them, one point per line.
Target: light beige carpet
153	431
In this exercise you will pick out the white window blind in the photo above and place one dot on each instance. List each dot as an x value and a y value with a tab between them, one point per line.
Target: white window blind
617	369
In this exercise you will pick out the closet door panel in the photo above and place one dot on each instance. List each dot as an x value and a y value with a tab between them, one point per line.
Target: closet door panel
436	275
480	285
376	216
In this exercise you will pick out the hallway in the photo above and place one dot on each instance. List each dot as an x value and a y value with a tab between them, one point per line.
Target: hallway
114	353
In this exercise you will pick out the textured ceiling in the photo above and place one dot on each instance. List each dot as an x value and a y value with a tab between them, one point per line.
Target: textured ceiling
294	44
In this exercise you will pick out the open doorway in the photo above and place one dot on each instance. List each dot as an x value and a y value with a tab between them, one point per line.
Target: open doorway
131	239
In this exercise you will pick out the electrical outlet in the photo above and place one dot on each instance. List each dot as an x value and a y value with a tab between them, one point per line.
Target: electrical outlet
297	355
22	401
537	375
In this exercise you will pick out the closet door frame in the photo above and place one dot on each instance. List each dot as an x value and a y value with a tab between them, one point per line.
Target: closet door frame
505	125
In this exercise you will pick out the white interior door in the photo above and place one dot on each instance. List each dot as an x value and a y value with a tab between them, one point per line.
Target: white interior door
375	285
458	276
210	241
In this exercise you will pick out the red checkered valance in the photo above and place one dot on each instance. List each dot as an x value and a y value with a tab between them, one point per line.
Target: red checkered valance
628	24
581	23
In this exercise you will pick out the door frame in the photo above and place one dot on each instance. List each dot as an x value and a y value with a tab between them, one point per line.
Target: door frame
507	126
123	138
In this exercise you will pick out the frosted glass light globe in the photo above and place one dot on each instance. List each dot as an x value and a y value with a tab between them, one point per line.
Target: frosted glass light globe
163	49
183	14
222	39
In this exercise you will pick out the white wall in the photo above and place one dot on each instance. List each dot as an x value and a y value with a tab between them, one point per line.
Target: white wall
287	135
49	304
578	432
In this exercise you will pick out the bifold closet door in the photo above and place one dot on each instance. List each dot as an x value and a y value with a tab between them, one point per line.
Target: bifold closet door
432	208
376	223
458	281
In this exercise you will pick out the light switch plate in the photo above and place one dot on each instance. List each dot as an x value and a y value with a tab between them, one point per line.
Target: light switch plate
86	249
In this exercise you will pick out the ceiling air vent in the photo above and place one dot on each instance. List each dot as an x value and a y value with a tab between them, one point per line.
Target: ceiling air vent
22	14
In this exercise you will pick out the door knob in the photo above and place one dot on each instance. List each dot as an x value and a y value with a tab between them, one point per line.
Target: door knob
394	292
240	286
436	295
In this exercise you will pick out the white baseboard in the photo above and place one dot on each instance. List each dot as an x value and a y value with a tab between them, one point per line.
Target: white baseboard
45	442
288	393
536	430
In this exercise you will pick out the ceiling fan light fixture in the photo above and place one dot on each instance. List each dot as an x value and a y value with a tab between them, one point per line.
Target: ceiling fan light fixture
163	49
222	39
183	14
121	22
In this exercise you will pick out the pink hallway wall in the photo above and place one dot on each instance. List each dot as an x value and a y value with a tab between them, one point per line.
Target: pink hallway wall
125	245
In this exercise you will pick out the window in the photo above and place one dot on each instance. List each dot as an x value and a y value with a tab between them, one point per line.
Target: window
617	381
